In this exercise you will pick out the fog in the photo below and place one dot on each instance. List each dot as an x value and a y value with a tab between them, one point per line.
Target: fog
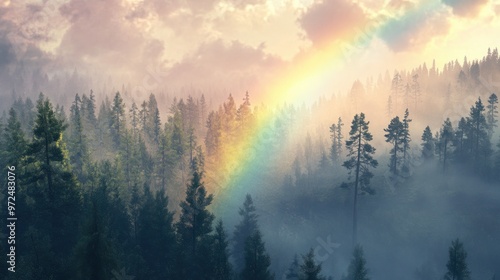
256	112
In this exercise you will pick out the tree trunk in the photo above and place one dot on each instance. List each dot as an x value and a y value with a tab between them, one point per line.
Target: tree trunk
355	212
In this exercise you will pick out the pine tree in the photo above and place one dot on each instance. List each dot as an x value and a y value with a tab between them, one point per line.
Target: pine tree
446	137
203	109
427	144
213	136
478	132
257	261
134	119
460	140
360	159
492	113
222	267
415	89
247	225
193	114
336	137
144	117
406	139
309	270
78	141
244	116
293	270
195	222
94	252
357	268
14	143
457	262
395	134
51	186
153	122
117	118
396	88
155	235
90	106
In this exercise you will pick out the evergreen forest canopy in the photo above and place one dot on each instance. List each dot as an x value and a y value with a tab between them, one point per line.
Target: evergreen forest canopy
399	178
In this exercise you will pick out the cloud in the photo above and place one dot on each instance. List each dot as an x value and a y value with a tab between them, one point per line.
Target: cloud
332	20
100	34
7	54
232	65
415	29
466	8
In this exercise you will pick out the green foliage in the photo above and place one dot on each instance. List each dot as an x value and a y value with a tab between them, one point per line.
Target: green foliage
360	153
492	113
50	186
94	252
337	138
195	224
257	261
394	135
293	270
428	144
309	270
357	268
222	269
242	231
155	235
457	262
13	141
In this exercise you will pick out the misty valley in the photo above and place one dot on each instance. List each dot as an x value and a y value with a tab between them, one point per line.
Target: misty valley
397	178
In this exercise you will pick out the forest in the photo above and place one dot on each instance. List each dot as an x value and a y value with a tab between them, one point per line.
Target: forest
399	178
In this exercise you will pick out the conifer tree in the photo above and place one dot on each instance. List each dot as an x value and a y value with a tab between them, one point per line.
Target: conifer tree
117	118
406	139
427	143
337	138
14	143
195	222
477	137
293	270
395	133
492	113
446	137
257	261
94	252
360	159
155	235
222	269
247	225
309	269
51	186
90	106
457	262
357	268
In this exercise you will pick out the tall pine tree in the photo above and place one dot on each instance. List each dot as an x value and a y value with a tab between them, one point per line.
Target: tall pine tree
360	160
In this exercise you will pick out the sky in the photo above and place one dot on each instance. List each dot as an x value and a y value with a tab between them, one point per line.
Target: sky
238	45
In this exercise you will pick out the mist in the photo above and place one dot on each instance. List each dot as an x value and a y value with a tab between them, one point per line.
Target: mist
165	114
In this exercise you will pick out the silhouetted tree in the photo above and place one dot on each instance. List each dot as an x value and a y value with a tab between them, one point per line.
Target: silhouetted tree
242	231
293	270
357	268
457	262
427	143
395	137
492	113
360	159
446	138
222	269
195	222
309	270
257	261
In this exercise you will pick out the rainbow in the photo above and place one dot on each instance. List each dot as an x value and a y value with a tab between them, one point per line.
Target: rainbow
307	76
